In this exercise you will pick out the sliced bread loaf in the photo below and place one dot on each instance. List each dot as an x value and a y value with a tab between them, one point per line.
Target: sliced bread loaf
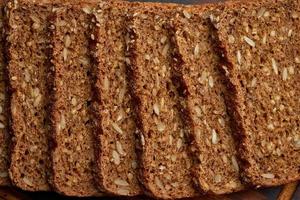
215	167
4	135
115	124
260	44
163	157
73	150
28	72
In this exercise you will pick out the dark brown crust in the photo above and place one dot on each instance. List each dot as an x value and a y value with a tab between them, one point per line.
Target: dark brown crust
4	133
237	102
73	161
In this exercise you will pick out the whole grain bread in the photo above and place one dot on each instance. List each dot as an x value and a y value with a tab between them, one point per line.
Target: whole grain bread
4	135
73	150
260	44
115	124
216	166
162	151
28	72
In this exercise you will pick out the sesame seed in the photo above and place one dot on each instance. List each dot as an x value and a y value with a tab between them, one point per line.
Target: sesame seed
235	163
268	175
147	57
253	82
221	121
116	157
196	50
231	39
273	33
239	57
291	70
121	182
105	83
165	49
274	66
87	10
163	39
27	181
249	41
120	148
214	136
290	33
270	126
161	127
218	178
267	14
186	14
211	81
156	108
117	128
285	74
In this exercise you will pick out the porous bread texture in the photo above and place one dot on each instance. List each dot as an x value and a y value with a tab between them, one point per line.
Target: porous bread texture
163	157
4	135
212	143
260	44
28	73
116	159
73	151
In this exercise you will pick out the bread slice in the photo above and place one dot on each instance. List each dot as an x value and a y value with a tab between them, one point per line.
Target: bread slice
28	72
115	124
260	44
73	151
163	157
4	135
215	167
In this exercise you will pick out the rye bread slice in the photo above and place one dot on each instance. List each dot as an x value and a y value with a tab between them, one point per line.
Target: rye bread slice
4	135
28	72
163	157
215	167
115	124
260	44
73	151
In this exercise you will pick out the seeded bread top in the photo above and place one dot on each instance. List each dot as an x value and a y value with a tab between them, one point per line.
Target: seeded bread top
73	153
216	168
28	70
164	161
4	135
116	157
260	44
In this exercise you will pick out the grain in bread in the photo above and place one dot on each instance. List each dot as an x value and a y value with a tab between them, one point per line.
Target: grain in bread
162	152
4	135
73	151
215	167
115	124
28	72
260	44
